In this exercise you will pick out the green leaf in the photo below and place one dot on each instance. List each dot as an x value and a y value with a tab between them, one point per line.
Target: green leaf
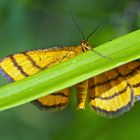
71	72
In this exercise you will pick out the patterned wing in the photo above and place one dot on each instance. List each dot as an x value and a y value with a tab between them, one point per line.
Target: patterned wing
18	66
53	102
131	72
114	92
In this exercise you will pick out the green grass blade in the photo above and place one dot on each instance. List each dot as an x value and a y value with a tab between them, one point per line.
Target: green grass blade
82	67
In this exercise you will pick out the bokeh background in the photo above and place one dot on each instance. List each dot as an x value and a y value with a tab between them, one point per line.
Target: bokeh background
32	24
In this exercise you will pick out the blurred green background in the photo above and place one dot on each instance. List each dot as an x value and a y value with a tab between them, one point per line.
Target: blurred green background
32	24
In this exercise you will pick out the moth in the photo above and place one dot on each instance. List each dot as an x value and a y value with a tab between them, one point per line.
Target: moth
110	94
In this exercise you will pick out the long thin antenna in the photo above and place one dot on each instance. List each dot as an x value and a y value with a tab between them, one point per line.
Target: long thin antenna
92	32
80	31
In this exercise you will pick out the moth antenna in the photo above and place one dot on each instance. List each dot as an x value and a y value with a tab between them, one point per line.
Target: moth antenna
78	28
97	27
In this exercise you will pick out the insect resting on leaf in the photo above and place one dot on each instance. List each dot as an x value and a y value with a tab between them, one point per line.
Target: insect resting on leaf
110	94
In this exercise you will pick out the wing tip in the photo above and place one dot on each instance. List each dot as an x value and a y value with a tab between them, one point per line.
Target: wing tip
5	75
137	98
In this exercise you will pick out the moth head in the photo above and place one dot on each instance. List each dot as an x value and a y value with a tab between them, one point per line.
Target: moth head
85	45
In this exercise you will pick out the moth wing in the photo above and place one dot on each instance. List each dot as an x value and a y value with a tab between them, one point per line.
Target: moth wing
113	92
131	72
18	66
53	102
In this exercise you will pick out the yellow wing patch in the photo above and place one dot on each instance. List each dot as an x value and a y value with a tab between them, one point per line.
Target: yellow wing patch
24	64
131	72
53	102
114	92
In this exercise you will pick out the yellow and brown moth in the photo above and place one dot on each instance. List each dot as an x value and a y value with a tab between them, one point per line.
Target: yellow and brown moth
111	93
